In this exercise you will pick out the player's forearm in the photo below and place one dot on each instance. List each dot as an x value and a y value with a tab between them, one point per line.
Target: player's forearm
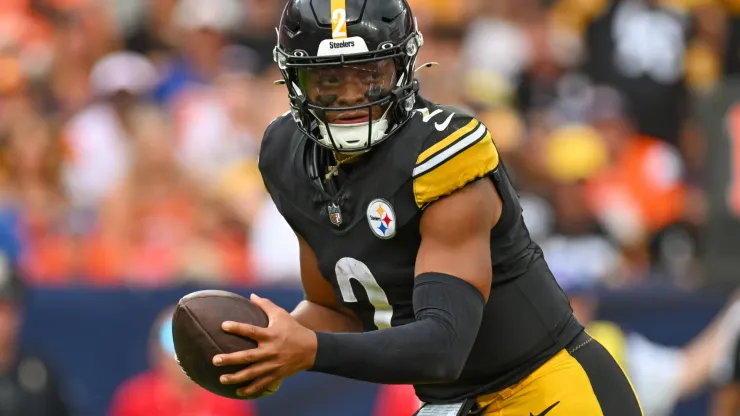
431	350
698	363
320	318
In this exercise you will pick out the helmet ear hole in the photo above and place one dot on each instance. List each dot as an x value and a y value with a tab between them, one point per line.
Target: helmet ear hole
293	27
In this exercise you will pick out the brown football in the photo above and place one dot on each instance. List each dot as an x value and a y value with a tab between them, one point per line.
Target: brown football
196	329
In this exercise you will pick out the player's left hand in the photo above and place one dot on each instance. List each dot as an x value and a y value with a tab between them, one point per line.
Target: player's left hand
284	348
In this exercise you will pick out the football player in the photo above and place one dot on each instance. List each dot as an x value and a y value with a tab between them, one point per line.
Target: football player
416	264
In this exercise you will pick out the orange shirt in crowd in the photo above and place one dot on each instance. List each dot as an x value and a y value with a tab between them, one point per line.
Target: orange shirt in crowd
646	179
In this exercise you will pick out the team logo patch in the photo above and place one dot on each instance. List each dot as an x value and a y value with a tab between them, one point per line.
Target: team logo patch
381	218
335	214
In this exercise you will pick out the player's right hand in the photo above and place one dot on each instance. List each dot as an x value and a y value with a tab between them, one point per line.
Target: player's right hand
284	348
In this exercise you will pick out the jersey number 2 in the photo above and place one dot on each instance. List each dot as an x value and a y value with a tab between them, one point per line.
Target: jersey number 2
339	21
348	269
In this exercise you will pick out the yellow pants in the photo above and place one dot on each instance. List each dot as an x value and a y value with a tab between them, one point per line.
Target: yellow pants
582	380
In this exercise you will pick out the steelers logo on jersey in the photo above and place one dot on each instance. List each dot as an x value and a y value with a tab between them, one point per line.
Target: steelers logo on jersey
381	218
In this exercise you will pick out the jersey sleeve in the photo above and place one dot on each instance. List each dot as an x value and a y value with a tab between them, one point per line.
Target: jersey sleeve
458	155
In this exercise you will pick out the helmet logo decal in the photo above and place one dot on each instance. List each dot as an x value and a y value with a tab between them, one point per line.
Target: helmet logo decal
331	47
338	19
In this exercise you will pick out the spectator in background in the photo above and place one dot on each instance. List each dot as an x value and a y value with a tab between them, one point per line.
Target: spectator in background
218	125
146	26
496	44
73	57
202	30
83	32
147	217
257	30
577	243
32	189
273	246
98	138
238	183
275	250
731	53
641	191
661	376
443	15
13	106
639	47
165	390
217	251
156	226
28	385
571	155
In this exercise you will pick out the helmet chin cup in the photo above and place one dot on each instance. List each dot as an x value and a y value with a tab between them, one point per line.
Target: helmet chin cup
357	137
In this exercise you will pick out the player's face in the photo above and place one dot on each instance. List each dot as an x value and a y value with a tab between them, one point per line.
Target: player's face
348	86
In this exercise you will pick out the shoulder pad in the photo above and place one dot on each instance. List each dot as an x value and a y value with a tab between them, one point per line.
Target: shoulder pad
463	111
277	149
275	125
461	152
276	135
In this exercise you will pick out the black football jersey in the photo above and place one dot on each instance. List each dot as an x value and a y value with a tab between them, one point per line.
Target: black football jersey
366	237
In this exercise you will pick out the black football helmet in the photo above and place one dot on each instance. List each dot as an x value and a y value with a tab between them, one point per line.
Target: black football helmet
362	38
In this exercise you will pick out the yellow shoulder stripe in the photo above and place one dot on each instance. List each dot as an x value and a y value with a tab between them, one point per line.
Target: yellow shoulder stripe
471	158
447	141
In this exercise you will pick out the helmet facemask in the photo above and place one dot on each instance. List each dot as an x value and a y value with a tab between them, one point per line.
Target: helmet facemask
353	101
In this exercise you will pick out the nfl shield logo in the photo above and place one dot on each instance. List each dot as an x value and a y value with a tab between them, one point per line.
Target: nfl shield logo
335	215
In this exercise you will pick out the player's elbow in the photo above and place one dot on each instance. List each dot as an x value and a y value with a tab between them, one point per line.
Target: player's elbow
447	373
448	313
445	366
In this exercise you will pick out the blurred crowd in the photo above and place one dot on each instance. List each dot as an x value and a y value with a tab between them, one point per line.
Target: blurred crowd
130	129
129	132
